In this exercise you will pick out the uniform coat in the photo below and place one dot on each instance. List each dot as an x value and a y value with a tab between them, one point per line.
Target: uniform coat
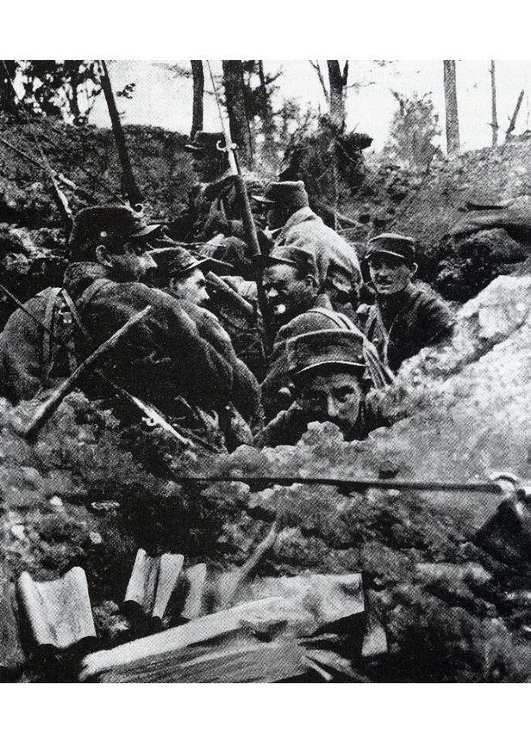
403	325
209	200
165	356
337	262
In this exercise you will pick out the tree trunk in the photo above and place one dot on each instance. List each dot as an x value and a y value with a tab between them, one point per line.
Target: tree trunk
494	109
337	83
337	80
234	84
198	76
450	99
512	123
266	114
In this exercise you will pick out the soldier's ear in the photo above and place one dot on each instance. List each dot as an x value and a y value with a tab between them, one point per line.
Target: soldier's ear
103	256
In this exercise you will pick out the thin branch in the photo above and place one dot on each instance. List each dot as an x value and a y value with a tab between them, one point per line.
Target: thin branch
315	65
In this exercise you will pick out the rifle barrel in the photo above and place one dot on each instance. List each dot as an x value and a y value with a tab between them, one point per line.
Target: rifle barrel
364	483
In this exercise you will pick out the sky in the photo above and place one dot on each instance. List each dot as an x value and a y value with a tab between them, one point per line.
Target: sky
160	98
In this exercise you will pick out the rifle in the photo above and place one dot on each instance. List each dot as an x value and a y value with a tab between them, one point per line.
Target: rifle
45	410
58	176
152	416
223	288
129	184
501	484
247	218
58	195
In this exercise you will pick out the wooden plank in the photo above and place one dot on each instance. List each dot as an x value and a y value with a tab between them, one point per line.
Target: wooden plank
58	612
273	610
257	663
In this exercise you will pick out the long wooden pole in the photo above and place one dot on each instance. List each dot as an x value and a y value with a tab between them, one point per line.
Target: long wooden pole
494	107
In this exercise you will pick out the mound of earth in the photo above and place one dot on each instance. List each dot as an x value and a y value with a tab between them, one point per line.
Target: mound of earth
86	493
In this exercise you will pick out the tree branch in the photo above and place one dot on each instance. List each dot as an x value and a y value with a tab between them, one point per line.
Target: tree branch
315	65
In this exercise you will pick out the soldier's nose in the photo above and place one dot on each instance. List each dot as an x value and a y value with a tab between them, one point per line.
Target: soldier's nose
331	407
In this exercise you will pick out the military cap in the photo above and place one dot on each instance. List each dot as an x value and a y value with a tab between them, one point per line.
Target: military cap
324	348
303	260
392	244
96	224
290	194
204	141
176	261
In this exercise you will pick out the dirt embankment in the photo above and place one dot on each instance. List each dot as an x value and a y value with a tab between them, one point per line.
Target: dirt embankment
79	496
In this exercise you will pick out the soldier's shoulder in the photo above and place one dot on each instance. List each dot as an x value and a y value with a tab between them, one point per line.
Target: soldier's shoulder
424	293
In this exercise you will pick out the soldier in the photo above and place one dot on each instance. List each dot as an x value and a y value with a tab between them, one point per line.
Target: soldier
168	362
30	360
214	211
183	277
327	369
290	284
405	316
291	222
182	274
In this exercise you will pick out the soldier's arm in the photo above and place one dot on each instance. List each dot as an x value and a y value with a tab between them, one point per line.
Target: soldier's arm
245	388
21	354
286	428
167	335
181	226
437	320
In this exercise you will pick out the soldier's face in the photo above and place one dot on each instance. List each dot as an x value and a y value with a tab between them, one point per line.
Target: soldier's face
131	265
390	274
276	216
191	288
208	165
287	294
331	397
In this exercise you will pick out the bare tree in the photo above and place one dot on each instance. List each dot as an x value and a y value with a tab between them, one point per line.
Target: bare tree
450	99
512	122
266	113
198	76
234	84
337	81
317	67
334	89
494	109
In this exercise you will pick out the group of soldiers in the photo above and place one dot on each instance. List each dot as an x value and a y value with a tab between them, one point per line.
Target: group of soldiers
201	356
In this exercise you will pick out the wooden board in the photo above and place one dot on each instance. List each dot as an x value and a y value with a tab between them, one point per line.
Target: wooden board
266	612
